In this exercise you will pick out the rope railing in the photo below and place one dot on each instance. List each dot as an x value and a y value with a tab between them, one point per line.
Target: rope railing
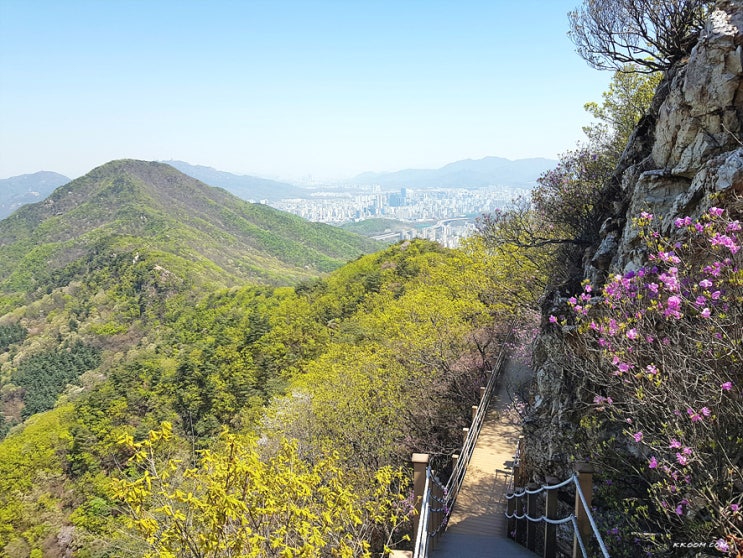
572	518
592	521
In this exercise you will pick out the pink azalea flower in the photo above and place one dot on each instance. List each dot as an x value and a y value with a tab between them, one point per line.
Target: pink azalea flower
681	459
632	334
727	386
553	320
673	304
724	240
734	507
705	411
637	436
675	444
716	211
706	313
653	463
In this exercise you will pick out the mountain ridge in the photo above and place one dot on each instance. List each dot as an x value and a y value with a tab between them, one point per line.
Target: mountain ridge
466	173
130	206
243	186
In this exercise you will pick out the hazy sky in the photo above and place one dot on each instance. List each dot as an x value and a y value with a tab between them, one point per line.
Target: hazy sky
287	89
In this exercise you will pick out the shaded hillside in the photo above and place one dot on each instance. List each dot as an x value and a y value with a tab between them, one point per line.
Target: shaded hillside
151	211
243	186
27	188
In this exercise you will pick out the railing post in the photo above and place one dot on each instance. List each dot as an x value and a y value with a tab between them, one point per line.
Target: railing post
465	432
511	522
531	511
474	412
520	523
550	511
585	472
454	461
482	392
420	464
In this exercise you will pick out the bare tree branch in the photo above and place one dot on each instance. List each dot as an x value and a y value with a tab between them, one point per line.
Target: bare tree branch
651	34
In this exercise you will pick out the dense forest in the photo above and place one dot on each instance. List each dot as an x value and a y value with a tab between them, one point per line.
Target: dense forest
345	375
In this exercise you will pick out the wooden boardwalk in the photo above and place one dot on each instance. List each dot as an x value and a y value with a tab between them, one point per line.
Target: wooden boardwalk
477	526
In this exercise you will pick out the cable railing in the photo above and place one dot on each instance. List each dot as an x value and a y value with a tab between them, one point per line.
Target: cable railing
581	520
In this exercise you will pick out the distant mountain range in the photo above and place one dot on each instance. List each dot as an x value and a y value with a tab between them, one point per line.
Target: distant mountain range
247	187
469	173
27	188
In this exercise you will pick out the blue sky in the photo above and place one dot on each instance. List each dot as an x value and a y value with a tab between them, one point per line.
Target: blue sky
287	88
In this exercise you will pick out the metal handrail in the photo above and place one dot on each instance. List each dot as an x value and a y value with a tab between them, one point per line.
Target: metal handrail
451	490
457	476
571	517
422	538
587	509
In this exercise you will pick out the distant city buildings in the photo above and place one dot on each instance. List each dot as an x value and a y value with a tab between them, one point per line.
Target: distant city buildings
443	215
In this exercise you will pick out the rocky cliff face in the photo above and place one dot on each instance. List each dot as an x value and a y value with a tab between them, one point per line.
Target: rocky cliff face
685	151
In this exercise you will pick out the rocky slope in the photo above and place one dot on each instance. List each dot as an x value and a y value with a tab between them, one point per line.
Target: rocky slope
687	149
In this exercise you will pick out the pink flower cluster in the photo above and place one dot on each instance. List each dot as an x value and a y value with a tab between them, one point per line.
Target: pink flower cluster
669	352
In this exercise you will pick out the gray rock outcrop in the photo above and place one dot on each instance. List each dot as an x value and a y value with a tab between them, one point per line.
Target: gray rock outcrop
688	149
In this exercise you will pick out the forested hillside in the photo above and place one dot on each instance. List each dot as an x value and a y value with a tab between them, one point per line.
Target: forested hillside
185	374
107	261
27	188
349	374
145	328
